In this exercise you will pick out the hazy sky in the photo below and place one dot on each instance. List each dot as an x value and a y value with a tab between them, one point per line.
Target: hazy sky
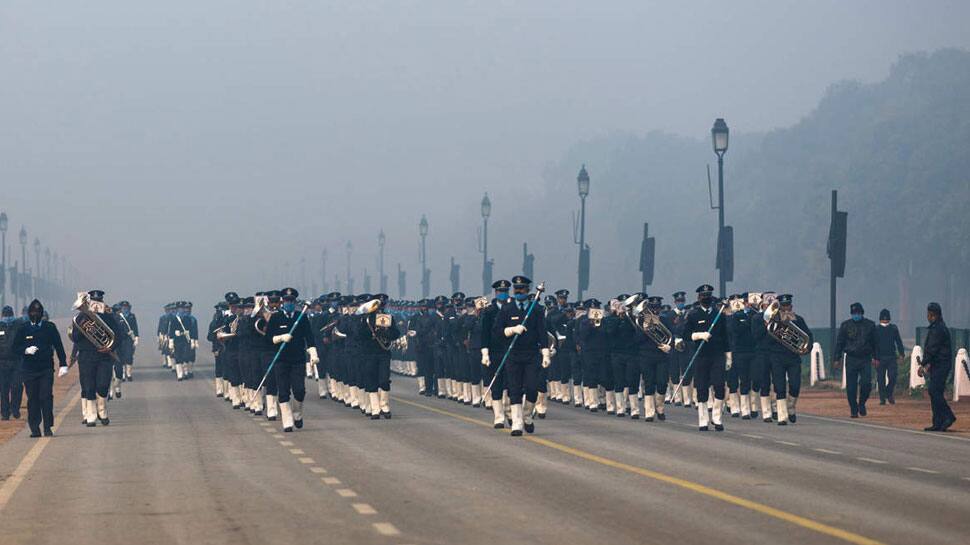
178	149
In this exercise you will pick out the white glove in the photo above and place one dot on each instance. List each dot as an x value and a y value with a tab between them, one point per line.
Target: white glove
412	333
515	330
61	371
312	352
284	338
135	341
31	350
700	336
679	343
195	344
665	348
486	361
171	344
546	358
221	335
728	361
178	332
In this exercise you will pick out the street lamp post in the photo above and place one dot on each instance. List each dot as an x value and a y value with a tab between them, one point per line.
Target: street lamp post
582	184
486	265
21	287
719	138
36	283
350	280
3	274
425	281
381	241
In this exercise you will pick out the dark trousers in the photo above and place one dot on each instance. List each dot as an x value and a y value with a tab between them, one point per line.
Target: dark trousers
440	363
936	386
732	378
475	366
786	374
886	377
11	391
592	362
270	383
626	372
94	370
290	375
488	374
653	367
709	371
370	365
761	374
425	362
40	400
858	381
522	375
678	362
384	374
576	362
219	363
742	369
231	368
605	370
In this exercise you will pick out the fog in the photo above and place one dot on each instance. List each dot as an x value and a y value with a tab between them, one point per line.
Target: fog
177	150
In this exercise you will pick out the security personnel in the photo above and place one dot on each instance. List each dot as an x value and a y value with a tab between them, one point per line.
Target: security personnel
594	349
936	364
286	327
527	354
495	346
11	386
653	359
95	365
857	341
129	323
742	343
38	340
704	324
889	348
786	366
374	337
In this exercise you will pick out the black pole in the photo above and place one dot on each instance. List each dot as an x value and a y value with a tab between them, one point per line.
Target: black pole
832	301
582	244
722	284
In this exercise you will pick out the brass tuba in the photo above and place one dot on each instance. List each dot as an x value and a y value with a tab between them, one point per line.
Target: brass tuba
91	325
781	326
649	322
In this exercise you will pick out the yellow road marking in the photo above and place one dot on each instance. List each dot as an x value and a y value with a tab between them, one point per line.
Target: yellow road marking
29	459
676	481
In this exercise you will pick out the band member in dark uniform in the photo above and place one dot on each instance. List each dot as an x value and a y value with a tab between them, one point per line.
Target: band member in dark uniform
677	360
936	364
557	321
221	308
297	341
38	340
230	354
593	348
11	386
624	345
129	323
857	340
653	366
95	365
786	366
713	359
742	343
890	347
374	336
495	346
526	356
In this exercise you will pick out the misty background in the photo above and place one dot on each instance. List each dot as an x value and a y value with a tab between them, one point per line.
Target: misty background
183	149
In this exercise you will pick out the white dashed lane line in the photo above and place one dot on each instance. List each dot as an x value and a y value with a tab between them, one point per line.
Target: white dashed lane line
751	435
364	509
826	451
346	493
307	461
921	470
789	443
331	480
871	460
296	451
386	529
285	443
317	470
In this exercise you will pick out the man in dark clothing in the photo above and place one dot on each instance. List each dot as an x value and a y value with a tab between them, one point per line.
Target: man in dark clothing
374	335
38	341
786	366
11	387
287	328
857	341
742	344
95	364
890	344
937	360
594	348
705	324
494	346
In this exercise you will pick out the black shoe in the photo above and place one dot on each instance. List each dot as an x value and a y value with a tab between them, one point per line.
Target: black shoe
499	426
635	417
703	428
661	417
104	421
947	423
541	416
882	401
602	406
592	409
372	417
862	410
774	415
5	417
516	433
35	433
648	419
746	417
287	430
892	400
792	418
530	428
129	379
782	423
271	418
621	414
854	415
258	412
178	380
48	432
118	394
754	414
735	415
718	427
298	423
933	428
387	415
91	424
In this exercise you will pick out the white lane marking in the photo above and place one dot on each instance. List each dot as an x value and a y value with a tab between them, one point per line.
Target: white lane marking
285	443
386	529
278	436
317	470
296	451
330	480
789	443
887	428
346	493
871	460
826	451
751	435
921	470
265	424
270	430
307	461
364	509
966	478
13	481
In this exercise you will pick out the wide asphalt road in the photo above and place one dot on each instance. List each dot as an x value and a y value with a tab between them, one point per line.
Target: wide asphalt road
178	465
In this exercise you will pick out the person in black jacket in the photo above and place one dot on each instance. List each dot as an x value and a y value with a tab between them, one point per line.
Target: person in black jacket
653	366
494	346
936	364
374	335
38	340
95	364
527	354
704	324
857	341
11	386
594	349
217	347
742	353
624	348
786	366
889	348
287	328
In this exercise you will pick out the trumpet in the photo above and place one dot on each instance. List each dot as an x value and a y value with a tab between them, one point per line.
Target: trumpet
781	326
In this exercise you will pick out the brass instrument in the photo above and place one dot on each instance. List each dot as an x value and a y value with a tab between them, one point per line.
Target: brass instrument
91	325
481	303
381	329
781	326
596	316
648	321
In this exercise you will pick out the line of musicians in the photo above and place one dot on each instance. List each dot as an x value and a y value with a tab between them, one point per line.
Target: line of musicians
603	358
266	345
178	339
